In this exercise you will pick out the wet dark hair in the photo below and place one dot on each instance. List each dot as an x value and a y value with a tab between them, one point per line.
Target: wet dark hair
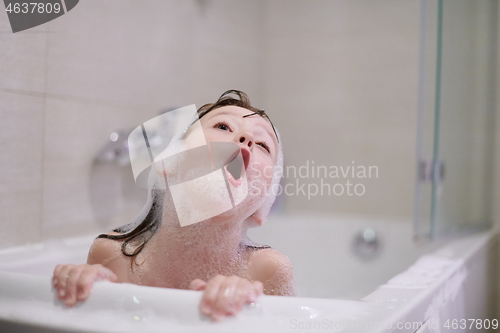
135	236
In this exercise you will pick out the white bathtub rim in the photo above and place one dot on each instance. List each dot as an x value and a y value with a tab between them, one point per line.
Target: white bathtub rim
461	250
163	307
395	302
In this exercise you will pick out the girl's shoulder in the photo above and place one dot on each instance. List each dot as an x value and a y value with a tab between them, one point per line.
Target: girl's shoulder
273	269
107	252
103	249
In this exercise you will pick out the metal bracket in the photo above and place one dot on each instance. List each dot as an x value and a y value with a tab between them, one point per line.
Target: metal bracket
431	171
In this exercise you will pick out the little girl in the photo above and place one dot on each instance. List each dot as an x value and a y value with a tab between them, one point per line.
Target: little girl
213	254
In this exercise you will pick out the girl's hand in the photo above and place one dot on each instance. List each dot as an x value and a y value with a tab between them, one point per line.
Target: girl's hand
73	283
226	295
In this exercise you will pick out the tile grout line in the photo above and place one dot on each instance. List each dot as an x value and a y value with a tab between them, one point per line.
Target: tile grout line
79	99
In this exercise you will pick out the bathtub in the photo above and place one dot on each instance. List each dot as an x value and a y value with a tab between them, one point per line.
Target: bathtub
401	285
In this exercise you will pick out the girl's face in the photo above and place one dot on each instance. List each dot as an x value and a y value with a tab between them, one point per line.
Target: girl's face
198	169
258	146
254	135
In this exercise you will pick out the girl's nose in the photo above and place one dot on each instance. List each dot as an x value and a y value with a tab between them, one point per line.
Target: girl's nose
246	139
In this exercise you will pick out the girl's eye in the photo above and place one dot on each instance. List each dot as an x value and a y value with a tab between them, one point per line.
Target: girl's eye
264	145
223	126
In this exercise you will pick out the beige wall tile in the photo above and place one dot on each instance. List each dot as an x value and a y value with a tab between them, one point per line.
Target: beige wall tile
229	50
23	57
21	157
341	85
22	83
75	133
123	53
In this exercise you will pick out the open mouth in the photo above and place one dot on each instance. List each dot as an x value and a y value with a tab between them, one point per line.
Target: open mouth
237	165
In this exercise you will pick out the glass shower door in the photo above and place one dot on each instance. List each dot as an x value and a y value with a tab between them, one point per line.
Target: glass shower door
456	110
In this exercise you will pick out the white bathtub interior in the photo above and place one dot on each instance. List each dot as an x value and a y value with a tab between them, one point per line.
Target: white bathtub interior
314	243
332	282
325	244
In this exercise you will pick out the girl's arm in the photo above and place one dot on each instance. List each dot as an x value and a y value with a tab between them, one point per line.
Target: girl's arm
73	283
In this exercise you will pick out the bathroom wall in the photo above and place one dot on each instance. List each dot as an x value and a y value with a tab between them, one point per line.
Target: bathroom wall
344	74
